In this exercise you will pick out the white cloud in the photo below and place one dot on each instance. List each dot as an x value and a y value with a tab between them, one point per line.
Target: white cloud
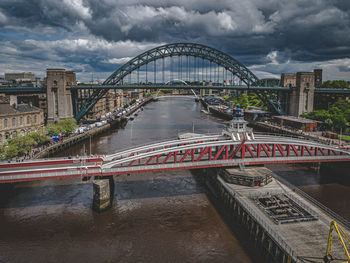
3	18
79	8
272	56
118	60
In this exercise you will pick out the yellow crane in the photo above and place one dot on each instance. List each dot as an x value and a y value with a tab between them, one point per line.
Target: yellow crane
341	236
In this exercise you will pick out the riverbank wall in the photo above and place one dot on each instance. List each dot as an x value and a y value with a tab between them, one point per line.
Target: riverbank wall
73	140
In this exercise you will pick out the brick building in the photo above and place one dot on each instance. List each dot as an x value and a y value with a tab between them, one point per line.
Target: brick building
19	120
111	100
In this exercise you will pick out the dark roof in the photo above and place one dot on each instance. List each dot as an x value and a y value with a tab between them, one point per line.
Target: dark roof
26	108
5	108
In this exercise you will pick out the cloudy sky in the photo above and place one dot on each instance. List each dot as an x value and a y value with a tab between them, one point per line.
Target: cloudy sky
268	36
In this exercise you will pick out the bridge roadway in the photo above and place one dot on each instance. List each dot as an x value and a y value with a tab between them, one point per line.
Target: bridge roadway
48	166
195	151
30	90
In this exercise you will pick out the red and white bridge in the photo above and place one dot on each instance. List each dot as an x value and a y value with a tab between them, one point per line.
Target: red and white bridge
189	153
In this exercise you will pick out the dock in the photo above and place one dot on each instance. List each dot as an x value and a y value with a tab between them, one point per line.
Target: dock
285	225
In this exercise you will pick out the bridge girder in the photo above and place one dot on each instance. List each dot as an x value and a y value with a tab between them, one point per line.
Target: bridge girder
215	150
183	49
200	152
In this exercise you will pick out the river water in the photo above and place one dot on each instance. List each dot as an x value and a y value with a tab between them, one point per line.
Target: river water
158	217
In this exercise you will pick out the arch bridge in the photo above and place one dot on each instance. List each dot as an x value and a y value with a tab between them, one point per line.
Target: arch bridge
201	67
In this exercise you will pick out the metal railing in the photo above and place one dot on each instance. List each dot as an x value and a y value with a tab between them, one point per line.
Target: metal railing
325	209
263	223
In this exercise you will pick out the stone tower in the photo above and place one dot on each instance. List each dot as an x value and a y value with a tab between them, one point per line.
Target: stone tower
318	77
58	94
301	99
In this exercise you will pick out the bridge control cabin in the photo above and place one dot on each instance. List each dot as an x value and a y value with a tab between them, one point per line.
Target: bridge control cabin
237	129
249	176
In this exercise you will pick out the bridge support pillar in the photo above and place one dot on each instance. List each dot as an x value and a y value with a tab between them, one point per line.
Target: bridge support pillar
301	99
58	94
103	194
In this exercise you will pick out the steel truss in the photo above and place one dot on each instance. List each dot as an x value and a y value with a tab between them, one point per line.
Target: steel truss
200	152
218	152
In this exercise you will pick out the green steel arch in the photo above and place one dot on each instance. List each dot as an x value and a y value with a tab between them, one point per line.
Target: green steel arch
182	49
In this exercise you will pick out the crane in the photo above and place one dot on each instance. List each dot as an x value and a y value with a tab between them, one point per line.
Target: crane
341	236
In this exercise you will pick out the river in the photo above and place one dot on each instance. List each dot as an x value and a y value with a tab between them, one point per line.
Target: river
158	217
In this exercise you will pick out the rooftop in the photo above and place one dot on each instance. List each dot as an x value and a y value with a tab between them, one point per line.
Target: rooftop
295	119
6	108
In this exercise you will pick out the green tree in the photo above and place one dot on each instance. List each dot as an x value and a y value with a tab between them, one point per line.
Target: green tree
39	137
53	129
22	143
336	118
11	151
336	84
68	125
243	101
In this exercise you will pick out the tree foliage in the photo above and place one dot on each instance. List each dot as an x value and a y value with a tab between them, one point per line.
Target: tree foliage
336	118
245	100
335	84
66	126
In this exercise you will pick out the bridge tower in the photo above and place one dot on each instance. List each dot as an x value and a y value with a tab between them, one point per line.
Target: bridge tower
58	94
301	99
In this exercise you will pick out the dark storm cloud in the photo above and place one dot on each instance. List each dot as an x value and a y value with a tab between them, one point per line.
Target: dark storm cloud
250	30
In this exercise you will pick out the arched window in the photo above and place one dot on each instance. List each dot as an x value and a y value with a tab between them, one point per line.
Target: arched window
28	120
21	121
13	122
7	135
35	119
6	123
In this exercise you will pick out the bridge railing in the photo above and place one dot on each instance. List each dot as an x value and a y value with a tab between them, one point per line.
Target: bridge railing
294	137
171	139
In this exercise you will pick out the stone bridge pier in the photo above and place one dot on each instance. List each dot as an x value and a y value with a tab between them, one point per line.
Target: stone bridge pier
103	190
303	85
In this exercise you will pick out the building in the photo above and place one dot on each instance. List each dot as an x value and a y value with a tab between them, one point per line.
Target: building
113	99
296	123
19	120
20	76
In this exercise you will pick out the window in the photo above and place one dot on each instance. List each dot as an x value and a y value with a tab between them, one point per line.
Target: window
28	120
6	123
0	139
13	122
35	119
21	121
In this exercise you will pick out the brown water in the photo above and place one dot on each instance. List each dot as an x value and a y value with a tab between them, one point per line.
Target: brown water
159	217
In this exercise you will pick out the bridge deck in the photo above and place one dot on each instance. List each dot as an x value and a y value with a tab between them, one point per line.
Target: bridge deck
190	153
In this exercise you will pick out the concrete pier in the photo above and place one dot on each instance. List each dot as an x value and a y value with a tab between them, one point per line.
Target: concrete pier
300	236
103	190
